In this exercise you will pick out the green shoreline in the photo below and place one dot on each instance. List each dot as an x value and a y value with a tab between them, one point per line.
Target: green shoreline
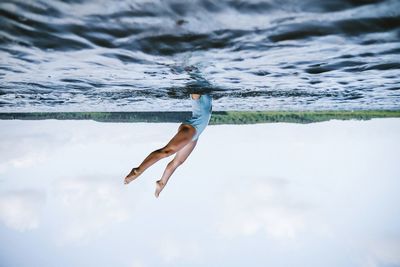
218	117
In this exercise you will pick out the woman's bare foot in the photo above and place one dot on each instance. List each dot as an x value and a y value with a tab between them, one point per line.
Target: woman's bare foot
159	187
132	175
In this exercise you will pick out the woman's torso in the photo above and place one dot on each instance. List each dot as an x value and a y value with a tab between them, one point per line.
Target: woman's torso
201	113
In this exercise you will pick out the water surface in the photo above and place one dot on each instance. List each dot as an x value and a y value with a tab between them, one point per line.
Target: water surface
90	55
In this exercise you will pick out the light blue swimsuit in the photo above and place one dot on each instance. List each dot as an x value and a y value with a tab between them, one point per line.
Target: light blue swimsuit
201	114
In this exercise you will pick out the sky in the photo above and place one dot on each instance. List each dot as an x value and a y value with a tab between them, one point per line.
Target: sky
278	194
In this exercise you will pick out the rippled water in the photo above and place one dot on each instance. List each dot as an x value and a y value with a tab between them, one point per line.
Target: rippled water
99	55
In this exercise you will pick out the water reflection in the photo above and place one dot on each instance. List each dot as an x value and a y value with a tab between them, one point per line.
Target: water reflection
323	193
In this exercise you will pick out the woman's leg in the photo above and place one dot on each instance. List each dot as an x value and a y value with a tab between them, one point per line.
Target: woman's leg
182	137
179	158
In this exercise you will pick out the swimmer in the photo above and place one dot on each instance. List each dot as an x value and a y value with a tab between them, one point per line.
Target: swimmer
182	143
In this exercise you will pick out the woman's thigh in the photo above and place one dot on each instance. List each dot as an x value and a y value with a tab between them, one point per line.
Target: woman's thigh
182	137
184	153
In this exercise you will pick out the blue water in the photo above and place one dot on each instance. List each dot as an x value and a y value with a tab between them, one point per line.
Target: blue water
97	55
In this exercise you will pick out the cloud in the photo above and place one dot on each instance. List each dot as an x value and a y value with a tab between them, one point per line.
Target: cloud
137	263
20	210
171	249
89	206
384	252
23	150
263	205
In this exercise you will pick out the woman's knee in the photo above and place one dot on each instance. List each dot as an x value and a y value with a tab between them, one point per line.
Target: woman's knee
173	164
178	162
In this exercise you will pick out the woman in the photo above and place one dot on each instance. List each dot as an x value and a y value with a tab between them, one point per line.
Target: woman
182	143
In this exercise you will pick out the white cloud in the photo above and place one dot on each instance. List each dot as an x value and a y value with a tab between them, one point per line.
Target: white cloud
235	194
262	205
384	252
22	149
137	263
171	249
20	210
90	206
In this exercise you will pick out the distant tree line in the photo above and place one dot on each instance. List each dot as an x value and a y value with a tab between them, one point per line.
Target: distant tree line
218	117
